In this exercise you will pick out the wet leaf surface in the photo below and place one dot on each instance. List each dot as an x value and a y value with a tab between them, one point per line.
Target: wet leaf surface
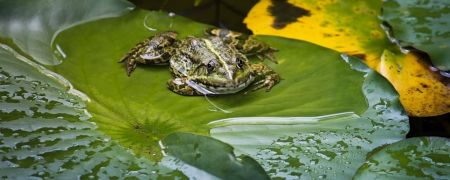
423	25
46	132
415	158
326	147
33	25
210	157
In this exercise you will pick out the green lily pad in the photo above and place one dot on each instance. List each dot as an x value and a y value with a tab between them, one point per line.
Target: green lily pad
33	25
325	147
139	110
192	150
415	158
421	24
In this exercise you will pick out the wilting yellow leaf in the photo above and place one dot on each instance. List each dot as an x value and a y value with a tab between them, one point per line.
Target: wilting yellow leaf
421	91
353	27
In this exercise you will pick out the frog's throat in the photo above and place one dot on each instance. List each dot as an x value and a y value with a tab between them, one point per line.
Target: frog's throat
210	46
214	90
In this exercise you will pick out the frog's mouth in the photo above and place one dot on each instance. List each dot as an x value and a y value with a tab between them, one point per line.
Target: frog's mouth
226	87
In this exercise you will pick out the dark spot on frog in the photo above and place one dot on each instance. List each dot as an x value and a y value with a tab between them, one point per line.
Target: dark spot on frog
285	13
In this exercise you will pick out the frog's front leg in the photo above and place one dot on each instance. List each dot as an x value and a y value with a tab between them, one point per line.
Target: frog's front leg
265	77
153	51
180	86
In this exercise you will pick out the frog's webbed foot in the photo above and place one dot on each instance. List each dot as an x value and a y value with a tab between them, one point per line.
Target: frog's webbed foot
265	77
132	58
154	50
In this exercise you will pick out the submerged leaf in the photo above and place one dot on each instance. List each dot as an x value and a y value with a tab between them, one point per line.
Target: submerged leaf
415	158
424	25
326	147
353	27
33	25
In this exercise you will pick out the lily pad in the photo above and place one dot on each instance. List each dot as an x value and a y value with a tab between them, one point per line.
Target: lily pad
415	158
139	110
33	25
424	25
192	150
326	147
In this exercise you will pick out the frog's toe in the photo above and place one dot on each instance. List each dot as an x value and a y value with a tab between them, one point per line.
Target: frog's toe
130	64
268	82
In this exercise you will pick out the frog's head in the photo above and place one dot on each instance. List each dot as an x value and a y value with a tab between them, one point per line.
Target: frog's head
213	67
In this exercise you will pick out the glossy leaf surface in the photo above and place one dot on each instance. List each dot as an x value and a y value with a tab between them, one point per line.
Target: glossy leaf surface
424	25
326	147
46	132
415	158
33	25
214	157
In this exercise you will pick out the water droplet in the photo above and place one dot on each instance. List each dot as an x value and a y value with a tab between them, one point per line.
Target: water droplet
322	176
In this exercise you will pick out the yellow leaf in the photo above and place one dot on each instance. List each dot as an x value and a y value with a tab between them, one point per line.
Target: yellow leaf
353	27
416	84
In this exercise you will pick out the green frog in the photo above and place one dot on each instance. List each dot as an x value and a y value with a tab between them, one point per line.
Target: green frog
211	65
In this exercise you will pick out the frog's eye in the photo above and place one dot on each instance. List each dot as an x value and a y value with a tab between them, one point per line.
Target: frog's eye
239	63
210	67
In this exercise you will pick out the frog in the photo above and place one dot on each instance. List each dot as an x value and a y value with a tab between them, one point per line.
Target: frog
215	64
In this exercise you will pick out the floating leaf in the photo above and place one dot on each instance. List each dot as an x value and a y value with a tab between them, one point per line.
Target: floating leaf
424	25
415	158
353	27
326	147
139	110
212	156
33	25
423	92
